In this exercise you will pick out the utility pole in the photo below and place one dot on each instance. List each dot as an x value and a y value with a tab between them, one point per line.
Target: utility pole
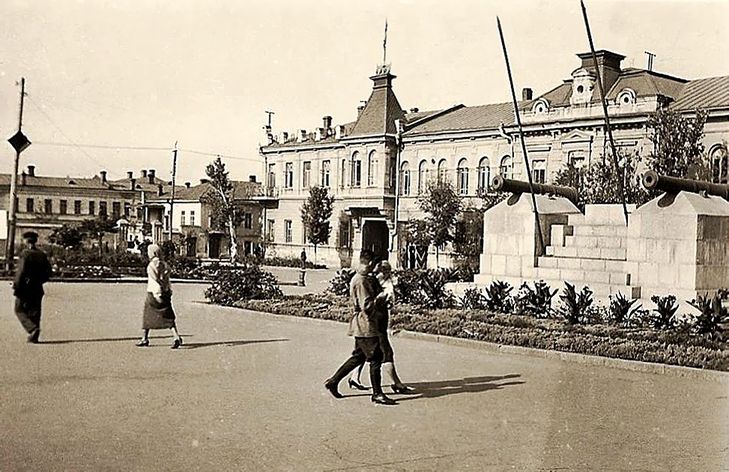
172	200
19	141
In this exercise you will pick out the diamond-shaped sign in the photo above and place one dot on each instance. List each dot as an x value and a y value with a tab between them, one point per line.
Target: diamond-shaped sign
19	141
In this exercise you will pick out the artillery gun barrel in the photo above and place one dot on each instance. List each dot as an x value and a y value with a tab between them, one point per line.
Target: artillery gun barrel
654	180
501	184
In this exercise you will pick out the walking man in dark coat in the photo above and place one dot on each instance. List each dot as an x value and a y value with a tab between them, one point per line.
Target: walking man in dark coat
32	272
364	326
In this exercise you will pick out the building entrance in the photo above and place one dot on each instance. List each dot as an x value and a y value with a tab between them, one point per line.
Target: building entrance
376	237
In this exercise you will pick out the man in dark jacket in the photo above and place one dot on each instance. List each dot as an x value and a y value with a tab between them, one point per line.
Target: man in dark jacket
364	325
32	272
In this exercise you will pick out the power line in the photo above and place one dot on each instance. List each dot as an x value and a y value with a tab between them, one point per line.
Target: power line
143	148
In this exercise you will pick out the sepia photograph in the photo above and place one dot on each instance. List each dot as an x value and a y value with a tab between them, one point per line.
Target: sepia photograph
364	236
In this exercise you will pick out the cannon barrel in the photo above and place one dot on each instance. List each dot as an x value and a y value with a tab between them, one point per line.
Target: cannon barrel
654	180
501	184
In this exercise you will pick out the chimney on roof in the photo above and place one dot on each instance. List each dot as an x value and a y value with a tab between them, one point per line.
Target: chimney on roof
284	137
302	135
144	173
608	66
187	184
204	181
22	178
321	133
339	132
130	174
132	183
526	93
252	179
414	110
160	190
150	176
327	122
103	176
360	109
31	171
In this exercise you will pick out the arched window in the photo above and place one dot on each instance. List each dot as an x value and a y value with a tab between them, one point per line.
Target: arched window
442	170
371	168
484	175
422	175
405	179
718	158
356	170
462	182
505	167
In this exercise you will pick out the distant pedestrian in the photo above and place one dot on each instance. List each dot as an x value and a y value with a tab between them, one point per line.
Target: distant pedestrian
364	327
303	258
158	312
32	272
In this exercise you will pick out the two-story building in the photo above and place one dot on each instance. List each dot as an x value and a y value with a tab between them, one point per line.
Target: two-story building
378	165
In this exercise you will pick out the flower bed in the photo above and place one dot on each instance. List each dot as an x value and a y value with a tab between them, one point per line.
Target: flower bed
677	347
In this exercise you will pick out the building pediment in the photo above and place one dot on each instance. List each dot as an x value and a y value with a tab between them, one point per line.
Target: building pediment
577	136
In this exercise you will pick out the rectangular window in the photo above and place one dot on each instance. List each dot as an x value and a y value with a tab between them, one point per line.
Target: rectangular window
271	175
127	209
289	175
48	206
182	218
356	173
306	175
116	210
539	171
288	236
92	207
77	207
103	209
192	217
29	205
270	233
326	170
63	209
247	220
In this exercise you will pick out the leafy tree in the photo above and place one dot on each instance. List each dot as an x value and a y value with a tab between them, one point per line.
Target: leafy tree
96	228
678	150
441	204
315	214
224	212
67	236
468	238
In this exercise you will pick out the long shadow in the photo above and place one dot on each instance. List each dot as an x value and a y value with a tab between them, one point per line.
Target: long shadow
442	388
242	342
103	340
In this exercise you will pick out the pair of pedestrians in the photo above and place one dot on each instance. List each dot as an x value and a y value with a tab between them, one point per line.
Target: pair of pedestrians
368	325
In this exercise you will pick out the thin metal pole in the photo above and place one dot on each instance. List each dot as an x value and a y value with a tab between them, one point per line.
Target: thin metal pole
621	172
521	139
172	200
10	250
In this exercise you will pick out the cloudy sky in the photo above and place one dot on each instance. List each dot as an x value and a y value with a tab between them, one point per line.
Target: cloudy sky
144	73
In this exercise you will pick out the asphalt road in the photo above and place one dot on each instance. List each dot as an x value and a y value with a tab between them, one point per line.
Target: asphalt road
246	393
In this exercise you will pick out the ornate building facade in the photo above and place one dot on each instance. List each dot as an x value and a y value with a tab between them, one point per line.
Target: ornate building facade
378	165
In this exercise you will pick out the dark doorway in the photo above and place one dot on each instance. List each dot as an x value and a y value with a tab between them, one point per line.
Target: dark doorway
214	246
376	237
191	248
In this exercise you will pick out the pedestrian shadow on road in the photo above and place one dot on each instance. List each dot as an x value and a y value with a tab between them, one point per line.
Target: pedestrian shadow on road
101	340
241	342
441	388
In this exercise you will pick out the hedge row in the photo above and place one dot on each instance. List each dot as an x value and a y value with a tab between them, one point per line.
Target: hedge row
675	347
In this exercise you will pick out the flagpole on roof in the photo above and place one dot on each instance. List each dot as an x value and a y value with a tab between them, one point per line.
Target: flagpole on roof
521	139
621	172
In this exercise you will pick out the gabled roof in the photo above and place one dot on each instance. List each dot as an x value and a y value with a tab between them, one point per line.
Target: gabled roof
241	189
707	93
467	118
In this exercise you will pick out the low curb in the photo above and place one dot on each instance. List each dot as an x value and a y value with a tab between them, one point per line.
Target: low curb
625	364
586	359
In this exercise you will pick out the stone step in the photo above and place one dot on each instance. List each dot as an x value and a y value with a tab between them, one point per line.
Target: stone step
583	264
609	253
595	241
559	233
579	275
599	291
599	230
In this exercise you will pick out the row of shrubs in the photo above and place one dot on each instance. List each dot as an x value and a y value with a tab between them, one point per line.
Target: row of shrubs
525	318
